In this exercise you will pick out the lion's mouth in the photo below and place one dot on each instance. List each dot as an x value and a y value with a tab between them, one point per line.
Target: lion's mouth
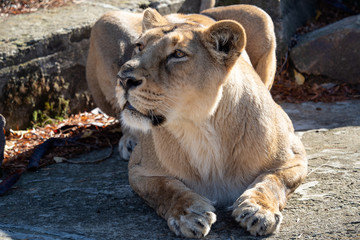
156	120
130	107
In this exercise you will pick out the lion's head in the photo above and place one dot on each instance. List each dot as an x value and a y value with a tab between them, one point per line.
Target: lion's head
177	71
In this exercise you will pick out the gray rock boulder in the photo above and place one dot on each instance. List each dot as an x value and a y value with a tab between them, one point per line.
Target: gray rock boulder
332	51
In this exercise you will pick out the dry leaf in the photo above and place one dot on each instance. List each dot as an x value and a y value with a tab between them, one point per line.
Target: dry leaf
299	78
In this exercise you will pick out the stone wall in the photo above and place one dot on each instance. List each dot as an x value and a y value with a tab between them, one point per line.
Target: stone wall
35	72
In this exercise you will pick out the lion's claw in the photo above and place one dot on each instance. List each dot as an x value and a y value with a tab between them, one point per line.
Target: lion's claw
192	224
257	219
127	144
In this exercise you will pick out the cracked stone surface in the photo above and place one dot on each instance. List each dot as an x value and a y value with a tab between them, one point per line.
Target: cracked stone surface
67	201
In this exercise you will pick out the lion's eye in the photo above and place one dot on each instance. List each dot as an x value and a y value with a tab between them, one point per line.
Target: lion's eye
139	47
178	54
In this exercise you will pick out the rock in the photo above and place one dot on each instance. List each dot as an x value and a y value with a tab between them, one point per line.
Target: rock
287	15
332	51
42	59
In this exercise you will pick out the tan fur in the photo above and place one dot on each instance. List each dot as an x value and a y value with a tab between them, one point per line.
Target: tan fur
212	134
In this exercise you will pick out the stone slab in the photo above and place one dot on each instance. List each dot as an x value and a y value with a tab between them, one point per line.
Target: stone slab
83	202
310	115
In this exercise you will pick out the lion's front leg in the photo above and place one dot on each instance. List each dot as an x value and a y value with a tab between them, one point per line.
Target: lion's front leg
187	213
258	208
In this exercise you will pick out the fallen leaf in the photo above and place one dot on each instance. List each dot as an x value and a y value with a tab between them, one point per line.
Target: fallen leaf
299	78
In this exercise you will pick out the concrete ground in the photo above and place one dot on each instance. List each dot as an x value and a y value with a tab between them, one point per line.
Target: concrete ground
83	202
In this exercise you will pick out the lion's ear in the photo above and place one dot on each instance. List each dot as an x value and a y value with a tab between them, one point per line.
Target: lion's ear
225	40
151	19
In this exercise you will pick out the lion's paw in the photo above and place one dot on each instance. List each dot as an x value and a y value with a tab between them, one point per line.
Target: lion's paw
193	223
127	144
257	219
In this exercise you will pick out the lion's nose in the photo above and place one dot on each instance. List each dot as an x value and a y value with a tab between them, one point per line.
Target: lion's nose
126	80
129	83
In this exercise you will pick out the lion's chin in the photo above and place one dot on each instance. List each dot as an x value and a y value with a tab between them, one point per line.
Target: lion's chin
132	118
135	120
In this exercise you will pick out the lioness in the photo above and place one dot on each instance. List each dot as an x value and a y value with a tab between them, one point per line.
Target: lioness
112	43
210	132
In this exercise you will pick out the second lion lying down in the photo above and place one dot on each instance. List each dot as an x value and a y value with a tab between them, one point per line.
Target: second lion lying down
211	132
